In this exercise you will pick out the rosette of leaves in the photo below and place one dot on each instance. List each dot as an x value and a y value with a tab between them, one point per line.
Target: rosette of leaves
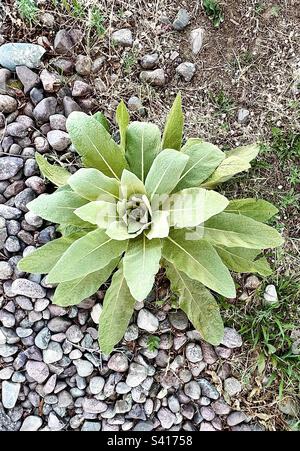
142	204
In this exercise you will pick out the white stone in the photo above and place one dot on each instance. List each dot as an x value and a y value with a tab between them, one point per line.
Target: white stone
270	295
31	423
96	312
10	394
197	40
147	321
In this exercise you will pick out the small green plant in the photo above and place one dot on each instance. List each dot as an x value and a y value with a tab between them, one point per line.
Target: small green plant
97	21
27	10
128	62
268	330
295	176
77	9
142	204
222	102
285	144
214	12
153	343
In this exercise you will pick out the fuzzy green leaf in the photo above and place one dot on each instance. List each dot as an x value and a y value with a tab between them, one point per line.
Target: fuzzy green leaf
90	253
257	209
58	207
199	305
102	120
55	173
193	206
95	145
93	185
231	230
160	225
45	258
238	260
236	161
172	137
165	172
204	158
200	261
131	184
142	145
122	119
98	212
190	143
141	264
117	311
75	291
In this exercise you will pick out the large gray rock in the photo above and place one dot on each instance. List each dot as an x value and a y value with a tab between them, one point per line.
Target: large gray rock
31	423
45	109
123	37
28	288
118	362
166	418
7	104
186	70
232	338
9	167
149	61
10	394
154	78
6	270
50	81
38	371
147	321
58	140
63	42
21	54
181	20
28	78
137	374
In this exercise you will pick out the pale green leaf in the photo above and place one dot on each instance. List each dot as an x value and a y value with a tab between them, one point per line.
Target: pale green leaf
231	230
190	143
117	230
58	207
236	161
95	145
118	308
75	291
90	253
122	119
257	209
143	141
93	185
204	158
199	305
246	153
237	259
131	184
141	264
55	173
193	206
172	137
102	119
165	172
45	258
200	261
98	212
67	229
160	225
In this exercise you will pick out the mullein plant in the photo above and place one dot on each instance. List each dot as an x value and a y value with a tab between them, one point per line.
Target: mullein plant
145	203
